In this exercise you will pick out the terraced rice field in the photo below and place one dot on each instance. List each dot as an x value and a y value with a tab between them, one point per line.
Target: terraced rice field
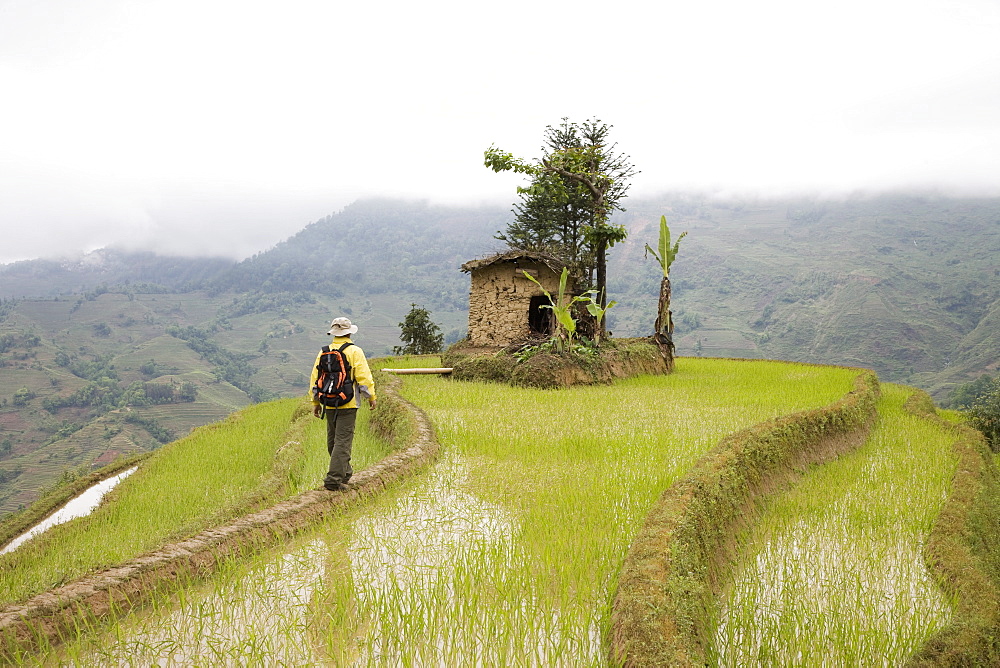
834	573
507	551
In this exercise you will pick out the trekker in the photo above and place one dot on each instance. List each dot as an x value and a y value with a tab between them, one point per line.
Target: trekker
340	420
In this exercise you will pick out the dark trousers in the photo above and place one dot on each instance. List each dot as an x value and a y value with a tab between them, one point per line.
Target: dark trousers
339	439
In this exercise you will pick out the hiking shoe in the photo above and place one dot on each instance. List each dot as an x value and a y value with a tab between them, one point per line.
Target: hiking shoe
335	486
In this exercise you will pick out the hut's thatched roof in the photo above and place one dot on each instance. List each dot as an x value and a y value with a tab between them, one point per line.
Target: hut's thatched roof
550	261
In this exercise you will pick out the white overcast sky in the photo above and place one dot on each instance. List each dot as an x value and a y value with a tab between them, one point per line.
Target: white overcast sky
219	127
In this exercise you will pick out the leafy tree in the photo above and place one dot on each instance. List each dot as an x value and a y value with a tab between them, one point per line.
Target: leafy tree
11	340
984	415
421	336
97	368
134	395
188	391
159	393
575	187
22	396
664	325
963	396
552	214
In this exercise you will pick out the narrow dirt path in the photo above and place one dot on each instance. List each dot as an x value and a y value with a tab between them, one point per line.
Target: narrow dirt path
47	617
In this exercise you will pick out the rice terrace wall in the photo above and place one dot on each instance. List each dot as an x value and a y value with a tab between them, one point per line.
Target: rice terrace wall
670	574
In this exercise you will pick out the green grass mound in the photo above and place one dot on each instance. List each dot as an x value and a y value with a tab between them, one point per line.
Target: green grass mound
543	368
963	551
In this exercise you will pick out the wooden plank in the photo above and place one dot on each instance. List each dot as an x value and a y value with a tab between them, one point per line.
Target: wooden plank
424	370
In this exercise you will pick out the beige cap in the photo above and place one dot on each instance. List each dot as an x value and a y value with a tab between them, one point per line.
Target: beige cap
342	327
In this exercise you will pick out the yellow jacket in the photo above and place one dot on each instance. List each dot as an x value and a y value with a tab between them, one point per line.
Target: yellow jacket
359	369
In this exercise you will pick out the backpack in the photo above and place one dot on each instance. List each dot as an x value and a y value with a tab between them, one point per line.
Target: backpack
334	382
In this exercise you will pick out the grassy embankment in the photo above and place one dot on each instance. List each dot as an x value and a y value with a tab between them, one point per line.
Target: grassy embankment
963	550
255	457
509	551
834	571
670	579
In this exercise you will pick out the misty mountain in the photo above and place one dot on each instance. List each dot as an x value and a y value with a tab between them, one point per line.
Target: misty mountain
376	247
142	271
903	284
116	352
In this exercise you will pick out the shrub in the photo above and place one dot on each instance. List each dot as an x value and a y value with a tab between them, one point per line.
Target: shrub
984	415
23	396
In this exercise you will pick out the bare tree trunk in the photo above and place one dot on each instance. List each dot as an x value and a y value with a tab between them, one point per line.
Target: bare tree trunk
602	273
664	336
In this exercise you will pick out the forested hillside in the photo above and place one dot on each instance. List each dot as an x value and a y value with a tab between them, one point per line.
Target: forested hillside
376	247
116	351
905	285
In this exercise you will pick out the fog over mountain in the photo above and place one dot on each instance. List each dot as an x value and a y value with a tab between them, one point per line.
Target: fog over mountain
114	352
221	128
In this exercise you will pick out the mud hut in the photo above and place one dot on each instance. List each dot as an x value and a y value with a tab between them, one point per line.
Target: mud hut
504	306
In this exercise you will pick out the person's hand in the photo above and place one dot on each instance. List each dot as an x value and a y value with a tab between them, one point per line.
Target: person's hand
317	410
371	403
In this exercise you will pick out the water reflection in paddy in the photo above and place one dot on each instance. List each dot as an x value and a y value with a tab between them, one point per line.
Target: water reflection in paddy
351	592
80	506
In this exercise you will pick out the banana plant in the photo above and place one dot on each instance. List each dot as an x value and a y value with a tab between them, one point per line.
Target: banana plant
667	252
594	308
561	308
664	325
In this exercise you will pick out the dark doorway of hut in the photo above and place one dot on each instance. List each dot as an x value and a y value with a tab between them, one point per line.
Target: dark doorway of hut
540	319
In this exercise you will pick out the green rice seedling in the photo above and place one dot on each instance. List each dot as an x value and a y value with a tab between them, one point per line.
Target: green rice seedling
243	618
508	550
576	471
219	472
834	572
505	553
291	606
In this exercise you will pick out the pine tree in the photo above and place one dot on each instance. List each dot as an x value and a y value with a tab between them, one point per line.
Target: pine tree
421	336
575	187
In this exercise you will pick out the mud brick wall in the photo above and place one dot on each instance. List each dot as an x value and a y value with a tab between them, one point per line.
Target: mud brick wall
500	300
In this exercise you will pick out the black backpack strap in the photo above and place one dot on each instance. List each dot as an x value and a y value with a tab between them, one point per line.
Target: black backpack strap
341	349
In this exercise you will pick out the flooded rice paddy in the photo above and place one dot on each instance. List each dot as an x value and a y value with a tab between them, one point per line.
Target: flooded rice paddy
834	574
383	588
79	506
505	552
